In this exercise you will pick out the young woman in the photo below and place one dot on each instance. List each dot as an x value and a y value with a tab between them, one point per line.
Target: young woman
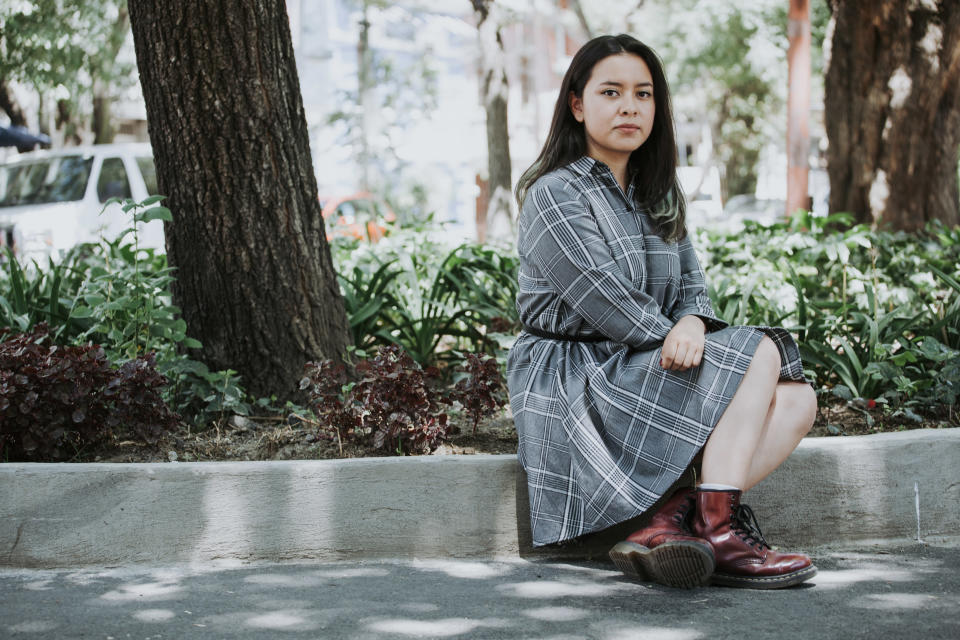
623	374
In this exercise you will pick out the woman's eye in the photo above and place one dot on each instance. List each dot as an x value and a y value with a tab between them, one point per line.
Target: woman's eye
609	92
644	94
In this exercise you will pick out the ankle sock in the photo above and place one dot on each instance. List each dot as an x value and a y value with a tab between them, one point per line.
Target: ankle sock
713	486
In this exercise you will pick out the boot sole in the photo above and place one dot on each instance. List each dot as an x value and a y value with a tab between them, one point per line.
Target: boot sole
675	564
765	582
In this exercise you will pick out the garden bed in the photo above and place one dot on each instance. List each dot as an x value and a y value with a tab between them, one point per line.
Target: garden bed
240	439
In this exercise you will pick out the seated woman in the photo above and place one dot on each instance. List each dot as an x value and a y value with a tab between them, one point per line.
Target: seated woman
623	374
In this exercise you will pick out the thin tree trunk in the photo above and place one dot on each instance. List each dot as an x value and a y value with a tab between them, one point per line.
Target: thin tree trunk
798	110
582	18
254	274
892	111
494	91
102	122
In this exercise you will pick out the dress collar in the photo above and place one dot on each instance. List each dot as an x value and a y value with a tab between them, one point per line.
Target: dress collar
591	166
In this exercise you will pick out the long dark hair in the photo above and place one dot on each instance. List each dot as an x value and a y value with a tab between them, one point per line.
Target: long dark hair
652	168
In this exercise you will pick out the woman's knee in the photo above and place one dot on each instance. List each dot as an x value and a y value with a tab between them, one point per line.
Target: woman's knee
799	403
767	355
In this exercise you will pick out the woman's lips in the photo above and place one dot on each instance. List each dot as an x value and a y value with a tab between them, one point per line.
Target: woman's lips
628	128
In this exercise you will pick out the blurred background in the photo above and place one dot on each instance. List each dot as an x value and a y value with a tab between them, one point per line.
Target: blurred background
396	103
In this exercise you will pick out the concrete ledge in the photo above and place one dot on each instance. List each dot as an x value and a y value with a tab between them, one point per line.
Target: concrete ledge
831	490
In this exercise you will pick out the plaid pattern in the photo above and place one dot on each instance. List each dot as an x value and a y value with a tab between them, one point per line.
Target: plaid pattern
604	430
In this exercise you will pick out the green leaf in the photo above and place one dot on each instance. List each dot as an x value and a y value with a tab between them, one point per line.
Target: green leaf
151	200
156	213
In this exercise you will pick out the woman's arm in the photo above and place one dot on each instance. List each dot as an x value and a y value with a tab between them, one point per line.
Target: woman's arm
561	239
693	299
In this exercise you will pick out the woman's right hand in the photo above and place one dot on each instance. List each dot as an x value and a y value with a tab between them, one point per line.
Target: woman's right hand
683	346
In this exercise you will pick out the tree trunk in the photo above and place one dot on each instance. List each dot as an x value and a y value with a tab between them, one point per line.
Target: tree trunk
798	107
104	130
255	279
892	110
10	106
493	92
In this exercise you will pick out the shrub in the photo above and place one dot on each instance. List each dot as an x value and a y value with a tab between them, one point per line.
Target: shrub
393	405
480	391
57	399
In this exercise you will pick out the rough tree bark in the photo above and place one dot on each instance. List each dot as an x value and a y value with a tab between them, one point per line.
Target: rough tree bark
892	111
255	279
498	221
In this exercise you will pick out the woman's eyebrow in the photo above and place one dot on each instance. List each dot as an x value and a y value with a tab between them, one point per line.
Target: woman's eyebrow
614	83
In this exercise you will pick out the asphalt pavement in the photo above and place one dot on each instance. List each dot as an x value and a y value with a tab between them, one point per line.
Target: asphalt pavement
908	590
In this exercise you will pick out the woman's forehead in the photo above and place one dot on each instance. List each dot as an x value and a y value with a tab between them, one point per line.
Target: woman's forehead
624	69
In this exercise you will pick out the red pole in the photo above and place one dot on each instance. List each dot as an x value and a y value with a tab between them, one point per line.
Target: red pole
798	106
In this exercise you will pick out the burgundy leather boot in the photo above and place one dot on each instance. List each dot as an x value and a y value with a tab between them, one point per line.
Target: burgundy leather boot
744	559
665	551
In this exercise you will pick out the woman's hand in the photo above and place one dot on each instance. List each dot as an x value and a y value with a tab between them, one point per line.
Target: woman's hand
683	347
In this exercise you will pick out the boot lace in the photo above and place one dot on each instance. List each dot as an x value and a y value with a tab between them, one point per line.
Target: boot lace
744	523
684	514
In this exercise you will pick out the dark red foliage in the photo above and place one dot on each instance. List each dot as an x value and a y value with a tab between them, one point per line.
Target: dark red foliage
56	399
481	393
324	383
393	405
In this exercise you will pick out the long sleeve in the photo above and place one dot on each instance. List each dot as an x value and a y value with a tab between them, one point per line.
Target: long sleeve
560	239
693	298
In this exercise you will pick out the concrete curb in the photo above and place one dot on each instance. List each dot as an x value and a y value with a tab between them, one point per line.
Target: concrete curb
831	490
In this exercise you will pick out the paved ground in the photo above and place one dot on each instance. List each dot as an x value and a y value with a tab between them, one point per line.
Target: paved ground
910	591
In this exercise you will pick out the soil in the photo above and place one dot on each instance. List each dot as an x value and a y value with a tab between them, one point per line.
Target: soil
275	438
278	438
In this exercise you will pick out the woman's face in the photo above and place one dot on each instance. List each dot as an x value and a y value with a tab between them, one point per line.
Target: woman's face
617	108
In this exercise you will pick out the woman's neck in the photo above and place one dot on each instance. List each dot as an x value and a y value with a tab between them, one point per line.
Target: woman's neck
617	165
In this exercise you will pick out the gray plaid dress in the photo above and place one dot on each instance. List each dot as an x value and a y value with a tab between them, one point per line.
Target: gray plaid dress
604	430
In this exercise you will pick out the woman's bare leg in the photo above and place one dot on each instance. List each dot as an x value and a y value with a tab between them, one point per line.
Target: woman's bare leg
791	415
729	452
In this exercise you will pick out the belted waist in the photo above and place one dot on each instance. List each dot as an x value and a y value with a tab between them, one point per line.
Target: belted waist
540	333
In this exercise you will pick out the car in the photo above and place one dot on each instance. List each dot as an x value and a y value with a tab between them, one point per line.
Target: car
51	200
701	186
358	215
747	206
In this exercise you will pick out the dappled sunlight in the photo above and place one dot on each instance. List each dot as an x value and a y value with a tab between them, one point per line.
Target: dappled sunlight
288	619
39	585
651	633
906	601
469	598
444	628
462	569
34	626
556	614
359	572
154	615
561	588
285	580
142	592
419	607
845	577
593	571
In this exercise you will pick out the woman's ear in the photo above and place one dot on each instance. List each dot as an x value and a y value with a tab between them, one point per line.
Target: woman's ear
576	106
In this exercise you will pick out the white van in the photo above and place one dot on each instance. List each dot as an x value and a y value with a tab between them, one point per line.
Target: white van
701	185
51	200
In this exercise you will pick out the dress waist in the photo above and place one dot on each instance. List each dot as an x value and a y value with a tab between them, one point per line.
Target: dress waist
540	333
